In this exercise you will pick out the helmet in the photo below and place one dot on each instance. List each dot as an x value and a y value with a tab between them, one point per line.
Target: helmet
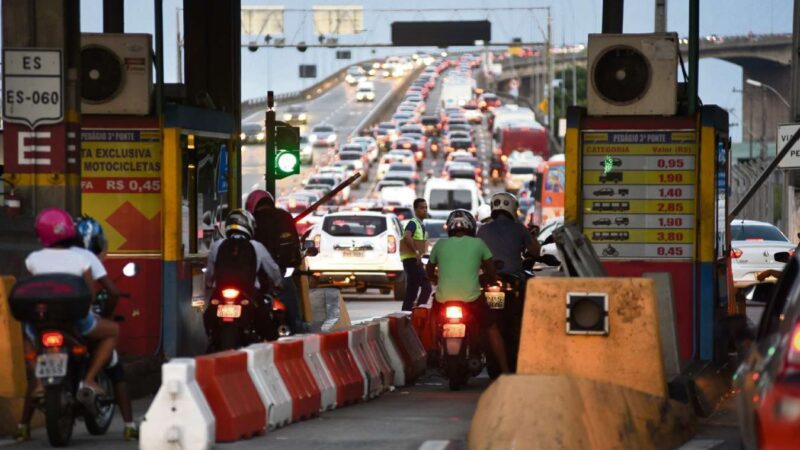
461	220
240	221
255	197
503	202
91	234
484	213
54	225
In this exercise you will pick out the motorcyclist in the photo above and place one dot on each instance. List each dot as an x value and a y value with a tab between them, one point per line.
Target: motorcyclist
459	259
484	215
255	279
92	242
505	236
276	230
56	231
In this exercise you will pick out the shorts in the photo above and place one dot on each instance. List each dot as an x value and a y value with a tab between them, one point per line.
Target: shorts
84	326
479	309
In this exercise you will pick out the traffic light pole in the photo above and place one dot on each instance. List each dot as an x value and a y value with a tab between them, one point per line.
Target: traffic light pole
269	175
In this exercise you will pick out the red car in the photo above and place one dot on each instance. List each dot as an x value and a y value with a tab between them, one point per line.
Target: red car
488	101
768	381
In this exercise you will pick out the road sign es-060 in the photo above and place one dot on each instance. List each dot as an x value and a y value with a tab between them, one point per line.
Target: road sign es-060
33	86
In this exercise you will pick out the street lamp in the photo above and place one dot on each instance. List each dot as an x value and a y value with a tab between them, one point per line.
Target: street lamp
761	85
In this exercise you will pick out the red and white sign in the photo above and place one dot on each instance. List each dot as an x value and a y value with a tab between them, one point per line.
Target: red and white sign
32	151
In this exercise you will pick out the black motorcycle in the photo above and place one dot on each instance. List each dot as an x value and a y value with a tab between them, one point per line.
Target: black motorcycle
237	318
51	304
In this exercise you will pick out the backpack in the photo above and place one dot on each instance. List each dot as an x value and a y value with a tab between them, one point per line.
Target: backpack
236	263
276	230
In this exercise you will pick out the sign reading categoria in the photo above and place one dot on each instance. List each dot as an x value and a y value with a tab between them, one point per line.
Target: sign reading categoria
639	191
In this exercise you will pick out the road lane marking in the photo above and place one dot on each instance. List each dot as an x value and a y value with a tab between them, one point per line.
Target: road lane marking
438	445
701	444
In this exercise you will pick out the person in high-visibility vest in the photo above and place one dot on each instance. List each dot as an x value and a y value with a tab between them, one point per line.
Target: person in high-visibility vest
412	247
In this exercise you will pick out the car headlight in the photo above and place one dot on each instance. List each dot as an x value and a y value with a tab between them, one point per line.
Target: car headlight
370	96
302	116
313	138
462	102
287	117
242	136
260	136
349	79
331	138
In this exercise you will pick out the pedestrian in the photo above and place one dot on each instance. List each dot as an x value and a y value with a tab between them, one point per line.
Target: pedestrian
412	247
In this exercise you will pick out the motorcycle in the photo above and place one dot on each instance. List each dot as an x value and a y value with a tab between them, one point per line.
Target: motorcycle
236	318
50	304
435	148
507	297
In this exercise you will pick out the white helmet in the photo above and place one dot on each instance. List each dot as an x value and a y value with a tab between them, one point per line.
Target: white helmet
503	202
484	213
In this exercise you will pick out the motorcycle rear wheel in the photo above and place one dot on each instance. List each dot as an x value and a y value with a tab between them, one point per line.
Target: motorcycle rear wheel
227	339
59	418
97	424
455	374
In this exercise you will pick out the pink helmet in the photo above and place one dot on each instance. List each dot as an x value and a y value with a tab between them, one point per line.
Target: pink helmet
54	225
255	198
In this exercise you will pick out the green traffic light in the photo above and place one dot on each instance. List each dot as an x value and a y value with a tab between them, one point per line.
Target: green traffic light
287	163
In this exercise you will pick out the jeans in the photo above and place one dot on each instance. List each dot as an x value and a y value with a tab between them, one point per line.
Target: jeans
416	283
291	299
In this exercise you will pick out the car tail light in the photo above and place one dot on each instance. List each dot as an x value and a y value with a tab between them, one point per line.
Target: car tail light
454	312
736	253
419	156
791	252
52	339
392	241
504	158
230	293
317	240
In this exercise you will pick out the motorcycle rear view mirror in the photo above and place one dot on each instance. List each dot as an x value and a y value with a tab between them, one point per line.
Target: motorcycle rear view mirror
130	269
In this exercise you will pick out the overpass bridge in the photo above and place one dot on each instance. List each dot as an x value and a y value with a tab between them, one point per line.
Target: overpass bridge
764	58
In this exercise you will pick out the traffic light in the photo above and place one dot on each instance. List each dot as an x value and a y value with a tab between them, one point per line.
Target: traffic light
287	155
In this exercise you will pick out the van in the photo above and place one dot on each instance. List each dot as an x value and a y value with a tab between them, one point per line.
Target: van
443	196
365	92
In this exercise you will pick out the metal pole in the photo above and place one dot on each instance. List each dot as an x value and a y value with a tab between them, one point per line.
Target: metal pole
179	45
694	53
550	74
763	124
788	188
661	16
159	35
269	176
767	172
612	16
574	80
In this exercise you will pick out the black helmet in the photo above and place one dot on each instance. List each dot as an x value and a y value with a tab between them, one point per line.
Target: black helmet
461	220
240	222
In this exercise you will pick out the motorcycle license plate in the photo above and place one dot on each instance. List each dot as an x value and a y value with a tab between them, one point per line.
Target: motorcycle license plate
454	330
496	300
229	311
51	365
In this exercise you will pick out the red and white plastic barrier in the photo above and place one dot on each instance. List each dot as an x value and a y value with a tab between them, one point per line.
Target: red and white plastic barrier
343	367
392	352
269	384
367	363
230	392
409	345
376	348
306	397
325	382
179	416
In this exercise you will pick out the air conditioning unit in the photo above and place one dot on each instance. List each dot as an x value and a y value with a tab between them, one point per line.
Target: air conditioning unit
632	74
116	73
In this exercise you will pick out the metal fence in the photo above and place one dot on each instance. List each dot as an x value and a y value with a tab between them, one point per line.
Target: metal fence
766	203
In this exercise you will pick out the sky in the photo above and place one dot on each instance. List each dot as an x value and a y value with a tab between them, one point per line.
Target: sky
573	20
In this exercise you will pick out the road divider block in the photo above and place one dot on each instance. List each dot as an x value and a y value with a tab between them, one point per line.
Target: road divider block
325	382
375	346
296	375
179	416
408	345
342	365
268	383
357	339
567	412
391	351
425	326
233	397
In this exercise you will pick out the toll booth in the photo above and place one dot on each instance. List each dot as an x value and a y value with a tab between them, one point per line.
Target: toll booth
647	181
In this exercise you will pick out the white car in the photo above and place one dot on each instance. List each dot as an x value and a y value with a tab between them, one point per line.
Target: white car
404	196
323	136
306	151
359	249
365	92
369	144
517	176
753	248
443	196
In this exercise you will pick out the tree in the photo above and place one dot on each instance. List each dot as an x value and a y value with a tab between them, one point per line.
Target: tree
565	90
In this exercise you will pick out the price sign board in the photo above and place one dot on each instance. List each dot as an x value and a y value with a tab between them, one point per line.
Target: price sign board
32	86
639	193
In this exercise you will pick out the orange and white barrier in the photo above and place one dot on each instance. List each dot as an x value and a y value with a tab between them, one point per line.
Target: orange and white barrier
409	346
366	362
339	360
269	384
325	382
300	382
376	348
392	352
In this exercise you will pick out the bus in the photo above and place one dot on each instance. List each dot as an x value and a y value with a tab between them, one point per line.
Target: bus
548	190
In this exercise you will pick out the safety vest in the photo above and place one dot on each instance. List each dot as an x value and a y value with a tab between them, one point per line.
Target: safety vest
419	235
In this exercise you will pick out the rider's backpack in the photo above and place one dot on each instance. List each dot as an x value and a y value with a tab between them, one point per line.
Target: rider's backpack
276	230
236	263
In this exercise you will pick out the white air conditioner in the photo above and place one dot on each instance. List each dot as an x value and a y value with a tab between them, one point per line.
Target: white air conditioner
116	73
632	74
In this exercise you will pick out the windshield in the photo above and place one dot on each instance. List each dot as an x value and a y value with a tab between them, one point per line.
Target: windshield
322	129
322	180
435	230
357	226
521	170
756	233
430	120
450	199
350	156
460	144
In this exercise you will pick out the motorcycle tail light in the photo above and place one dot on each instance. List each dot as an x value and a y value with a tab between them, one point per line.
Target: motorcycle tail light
52	339
79	350
454	312
736	253
230	293
392	241
278	305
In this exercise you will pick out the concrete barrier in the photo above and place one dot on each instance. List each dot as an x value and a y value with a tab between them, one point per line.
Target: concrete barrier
325	381
366	362
268	383
390	349
230	392
563	412
328	310
630	355
179	416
